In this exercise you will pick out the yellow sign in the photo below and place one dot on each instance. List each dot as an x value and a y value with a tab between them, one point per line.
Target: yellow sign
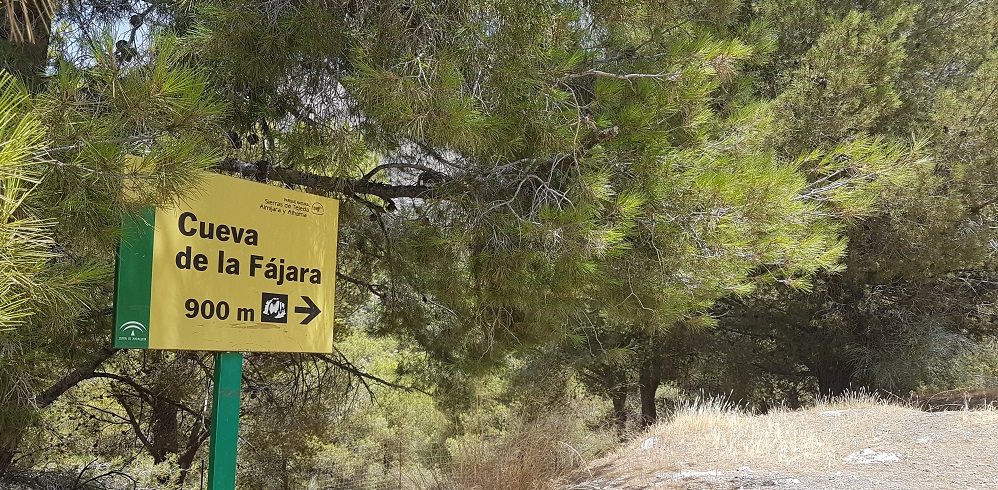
242	266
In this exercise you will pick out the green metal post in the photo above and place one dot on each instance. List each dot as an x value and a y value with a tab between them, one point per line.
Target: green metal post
224	421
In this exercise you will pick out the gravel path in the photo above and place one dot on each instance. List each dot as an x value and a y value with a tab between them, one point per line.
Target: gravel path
876	447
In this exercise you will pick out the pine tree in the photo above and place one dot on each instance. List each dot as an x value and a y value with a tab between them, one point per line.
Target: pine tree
27	244
512	173
99	140
918	274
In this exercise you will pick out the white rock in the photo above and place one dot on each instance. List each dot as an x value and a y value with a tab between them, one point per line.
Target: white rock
870	456
833	413
683	474
649	443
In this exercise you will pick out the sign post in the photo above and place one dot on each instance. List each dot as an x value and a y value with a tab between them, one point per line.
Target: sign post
224	420
241	267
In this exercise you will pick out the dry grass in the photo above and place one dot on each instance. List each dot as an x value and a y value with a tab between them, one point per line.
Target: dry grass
712	431
534	455
710	437
529	462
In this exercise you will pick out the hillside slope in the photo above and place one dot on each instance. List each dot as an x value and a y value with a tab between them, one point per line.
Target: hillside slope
855	445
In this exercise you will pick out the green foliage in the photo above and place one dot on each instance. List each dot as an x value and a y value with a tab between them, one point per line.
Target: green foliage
97	141
912	300
25	237
770	199
845	84
27	246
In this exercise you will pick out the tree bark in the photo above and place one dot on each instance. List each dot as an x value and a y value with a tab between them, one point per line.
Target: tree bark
648	381
617	386
164	429
186	459
619	399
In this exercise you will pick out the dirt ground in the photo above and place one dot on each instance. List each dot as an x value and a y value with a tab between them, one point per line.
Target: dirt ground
857	446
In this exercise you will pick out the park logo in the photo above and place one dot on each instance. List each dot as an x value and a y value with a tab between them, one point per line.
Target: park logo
133	327
275	308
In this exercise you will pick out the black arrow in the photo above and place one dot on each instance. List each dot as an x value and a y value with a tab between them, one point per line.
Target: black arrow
312	310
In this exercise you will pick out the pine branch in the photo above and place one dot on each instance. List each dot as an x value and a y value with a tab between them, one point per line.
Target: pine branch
339	185
429	184
144	392
977	208
671	77
70	380
386	166
378	290
436	155
344	364
136	428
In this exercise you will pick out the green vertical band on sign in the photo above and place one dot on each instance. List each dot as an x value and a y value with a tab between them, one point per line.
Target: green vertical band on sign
133	280
224	421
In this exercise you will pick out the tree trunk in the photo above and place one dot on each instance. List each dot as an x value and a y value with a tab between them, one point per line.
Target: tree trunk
648	382
8	449
164	429
186	459
26	56
834	378
618	395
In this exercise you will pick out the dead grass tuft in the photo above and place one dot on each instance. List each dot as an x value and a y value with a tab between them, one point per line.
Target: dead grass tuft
857	399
